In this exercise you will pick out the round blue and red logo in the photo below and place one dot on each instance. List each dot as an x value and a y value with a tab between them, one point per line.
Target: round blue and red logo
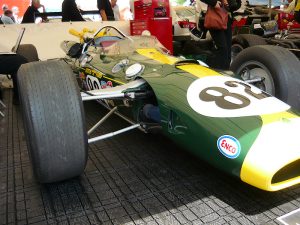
229	146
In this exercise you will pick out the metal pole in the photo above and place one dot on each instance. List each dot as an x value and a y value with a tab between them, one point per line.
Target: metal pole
122	116
105	136
98	97
1	103
4	106
102	120
270	9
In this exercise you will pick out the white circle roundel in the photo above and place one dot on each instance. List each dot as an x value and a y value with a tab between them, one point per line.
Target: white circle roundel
229	146
221	96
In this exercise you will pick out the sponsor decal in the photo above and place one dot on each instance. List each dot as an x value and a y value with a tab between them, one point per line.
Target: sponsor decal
92	82
103	84
229	146
109	84
220	96
93	73
81	75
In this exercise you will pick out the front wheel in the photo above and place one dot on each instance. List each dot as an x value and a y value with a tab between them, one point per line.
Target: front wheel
271	68
54	120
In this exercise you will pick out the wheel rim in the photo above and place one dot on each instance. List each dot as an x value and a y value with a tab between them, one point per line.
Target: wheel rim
255	70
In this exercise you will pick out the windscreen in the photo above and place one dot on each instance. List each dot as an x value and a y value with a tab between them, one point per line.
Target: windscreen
129	45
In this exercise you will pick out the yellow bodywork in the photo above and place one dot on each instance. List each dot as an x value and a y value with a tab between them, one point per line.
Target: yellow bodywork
269	154
196	70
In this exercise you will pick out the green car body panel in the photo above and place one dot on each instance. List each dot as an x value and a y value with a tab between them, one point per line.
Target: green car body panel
228	141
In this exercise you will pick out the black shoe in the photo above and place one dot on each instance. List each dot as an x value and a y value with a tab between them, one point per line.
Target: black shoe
1	94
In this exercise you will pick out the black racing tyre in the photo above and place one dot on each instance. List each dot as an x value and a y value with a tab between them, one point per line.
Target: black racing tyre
54	120
278	67
29	52
242	41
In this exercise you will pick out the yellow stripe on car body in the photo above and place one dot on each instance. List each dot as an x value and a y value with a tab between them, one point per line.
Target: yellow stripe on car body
196	70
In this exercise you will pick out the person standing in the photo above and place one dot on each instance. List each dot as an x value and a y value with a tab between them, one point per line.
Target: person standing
115	9
297	11
222	38
4	8
29	15
16	11
290	8
7	17
105	10
70	11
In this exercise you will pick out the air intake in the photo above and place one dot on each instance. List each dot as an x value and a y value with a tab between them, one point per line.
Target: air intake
286	173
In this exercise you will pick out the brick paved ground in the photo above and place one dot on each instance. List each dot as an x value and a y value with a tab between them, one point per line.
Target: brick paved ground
131	179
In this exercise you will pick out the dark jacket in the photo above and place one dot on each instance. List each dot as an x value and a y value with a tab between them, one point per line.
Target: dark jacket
233	4
30	15
297	11
70	12
106	6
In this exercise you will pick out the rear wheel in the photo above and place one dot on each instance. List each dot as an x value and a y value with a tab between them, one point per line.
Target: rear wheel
29	52
242	41
272	69
53	119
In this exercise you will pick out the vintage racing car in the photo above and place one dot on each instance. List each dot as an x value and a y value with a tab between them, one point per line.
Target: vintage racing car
231	124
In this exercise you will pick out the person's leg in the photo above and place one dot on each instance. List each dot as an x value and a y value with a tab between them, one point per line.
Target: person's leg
219	38
15	89
297	16
151	112
228	36
9	64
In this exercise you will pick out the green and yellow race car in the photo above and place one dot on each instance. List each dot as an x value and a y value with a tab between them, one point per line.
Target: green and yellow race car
225	121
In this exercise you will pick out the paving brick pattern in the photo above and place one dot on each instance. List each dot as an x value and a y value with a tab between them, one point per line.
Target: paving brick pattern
131	179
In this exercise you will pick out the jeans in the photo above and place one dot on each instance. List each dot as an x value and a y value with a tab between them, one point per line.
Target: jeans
297	16
222	40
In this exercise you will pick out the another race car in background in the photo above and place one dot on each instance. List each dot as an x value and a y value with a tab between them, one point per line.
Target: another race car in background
184	19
